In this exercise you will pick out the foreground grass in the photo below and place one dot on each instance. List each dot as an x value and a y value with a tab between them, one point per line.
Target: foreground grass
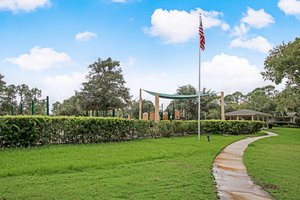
274	163
167	168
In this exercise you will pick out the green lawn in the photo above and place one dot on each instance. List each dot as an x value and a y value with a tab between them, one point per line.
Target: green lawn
167	168
275	163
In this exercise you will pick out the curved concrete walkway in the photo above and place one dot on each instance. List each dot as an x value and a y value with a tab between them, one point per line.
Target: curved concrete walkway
231	175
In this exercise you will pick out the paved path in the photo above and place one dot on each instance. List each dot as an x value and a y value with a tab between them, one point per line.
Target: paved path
231	175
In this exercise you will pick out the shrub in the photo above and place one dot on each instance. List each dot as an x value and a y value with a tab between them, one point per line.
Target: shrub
18	131
297	121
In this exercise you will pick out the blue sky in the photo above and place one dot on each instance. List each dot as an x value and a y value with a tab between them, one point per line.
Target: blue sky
49	43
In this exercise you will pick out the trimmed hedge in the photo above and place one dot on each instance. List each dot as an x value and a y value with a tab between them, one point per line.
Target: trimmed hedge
39	130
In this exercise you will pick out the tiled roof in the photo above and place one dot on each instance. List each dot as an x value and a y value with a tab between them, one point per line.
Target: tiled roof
291	114
247	112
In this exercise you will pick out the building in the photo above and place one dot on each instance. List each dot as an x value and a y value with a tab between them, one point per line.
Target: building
292	117
246	114
289	118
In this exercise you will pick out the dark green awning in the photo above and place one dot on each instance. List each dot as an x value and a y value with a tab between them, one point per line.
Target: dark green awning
175	96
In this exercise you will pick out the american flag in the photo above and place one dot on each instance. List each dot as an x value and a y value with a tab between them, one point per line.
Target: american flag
201	33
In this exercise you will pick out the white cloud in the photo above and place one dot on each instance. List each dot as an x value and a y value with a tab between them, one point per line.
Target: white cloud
23	5
210	19
175	26
259	43
62	80
85	36
231	73
257	18
39	59
222	73
158	82
225	26
290	7
61	87
241	30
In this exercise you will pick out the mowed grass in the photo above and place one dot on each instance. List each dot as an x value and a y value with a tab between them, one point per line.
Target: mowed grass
274	163
166	168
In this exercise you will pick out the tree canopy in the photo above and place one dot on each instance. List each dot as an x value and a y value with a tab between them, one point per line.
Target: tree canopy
17	99
283	62
104	89
71	106
105	86
209	103
262	99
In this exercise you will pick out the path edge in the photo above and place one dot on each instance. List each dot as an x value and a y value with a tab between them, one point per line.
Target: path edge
269	134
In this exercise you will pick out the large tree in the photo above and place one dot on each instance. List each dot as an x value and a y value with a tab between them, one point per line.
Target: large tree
283	62
262	99
27	95
189	105
286	101
2	91
71	106
9	102
10	94
209	104
133	109
2	83
235	101
105	86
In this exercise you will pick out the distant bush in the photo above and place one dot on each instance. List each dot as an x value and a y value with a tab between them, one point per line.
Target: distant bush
232	127
39	130
297	121
281	123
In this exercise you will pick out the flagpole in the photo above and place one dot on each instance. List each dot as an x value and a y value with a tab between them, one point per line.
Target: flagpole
199	86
